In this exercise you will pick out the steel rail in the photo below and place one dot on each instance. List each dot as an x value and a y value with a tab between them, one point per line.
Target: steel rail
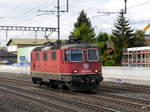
121	100
51	106
134	88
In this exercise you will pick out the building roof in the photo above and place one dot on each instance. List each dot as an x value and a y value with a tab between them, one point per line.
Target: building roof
20	41
109	45
138	48
5	53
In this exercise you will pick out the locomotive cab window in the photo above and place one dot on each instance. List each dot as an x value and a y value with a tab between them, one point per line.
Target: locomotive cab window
76	55
93	55
66	55
53	54
73	55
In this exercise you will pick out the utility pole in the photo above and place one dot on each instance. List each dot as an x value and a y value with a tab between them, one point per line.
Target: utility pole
58	15
125	9
58	18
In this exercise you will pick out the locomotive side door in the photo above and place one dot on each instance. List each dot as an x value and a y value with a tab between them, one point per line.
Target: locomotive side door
62	62
54	61
45	60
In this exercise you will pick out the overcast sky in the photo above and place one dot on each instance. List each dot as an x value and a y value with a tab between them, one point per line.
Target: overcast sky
25	13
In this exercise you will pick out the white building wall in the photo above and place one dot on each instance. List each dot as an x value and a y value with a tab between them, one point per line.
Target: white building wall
24	54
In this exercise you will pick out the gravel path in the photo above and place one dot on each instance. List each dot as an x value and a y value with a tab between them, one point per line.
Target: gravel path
12	103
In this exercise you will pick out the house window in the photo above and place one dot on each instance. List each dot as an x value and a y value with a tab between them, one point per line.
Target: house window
53	54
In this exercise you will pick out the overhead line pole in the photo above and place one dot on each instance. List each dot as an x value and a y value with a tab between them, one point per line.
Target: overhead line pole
58	14
125	9
58	18
26	28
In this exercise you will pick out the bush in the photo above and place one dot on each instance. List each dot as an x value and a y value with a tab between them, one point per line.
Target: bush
110	63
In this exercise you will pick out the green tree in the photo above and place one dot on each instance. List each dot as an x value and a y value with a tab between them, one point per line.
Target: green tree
101	40
83	30
102	37
122	36
138	39
106	53
122	32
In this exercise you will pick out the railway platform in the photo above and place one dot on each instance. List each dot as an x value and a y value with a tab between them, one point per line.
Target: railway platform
133	75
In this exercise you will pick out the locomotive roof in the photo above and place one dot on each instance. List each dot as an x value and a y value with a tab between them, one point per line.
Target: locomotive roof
64	46
79	46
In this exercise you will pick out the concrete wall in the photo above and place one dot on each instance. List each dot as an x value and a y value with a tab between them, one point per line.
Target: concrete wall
135	75
15	69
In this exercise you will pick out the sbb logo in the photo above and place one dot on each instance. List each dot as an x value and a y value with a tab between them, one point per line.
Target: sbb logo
86	66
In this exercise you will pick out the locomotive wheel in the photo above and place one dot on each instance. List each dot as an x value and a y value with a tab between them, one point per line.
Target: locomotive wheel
54	84
60	85
39	81
65	87
48	85
34	80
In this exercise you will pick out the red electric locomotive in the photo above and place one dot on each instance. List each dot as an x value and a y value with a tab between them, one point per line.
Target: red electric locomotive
75	66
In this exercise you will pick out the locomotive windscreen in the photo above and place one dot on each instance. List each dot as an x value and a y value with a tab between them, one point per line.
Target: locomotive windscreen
74	55
93	55
77	55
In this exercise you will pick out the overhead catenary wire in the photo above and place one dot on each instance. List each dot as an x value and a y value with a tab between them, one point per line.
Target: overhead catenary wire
29	11
72	6
138	5
30	18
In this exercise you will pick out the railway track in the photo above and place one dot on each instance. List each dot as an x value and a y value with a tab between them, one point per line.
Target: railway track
94	100
137	104
108	85
50	106
111	85
128	87
39	97
124	98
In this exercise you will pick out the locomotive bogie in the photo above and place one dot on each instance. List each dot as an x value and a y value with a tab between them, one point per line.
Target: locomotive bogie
73	82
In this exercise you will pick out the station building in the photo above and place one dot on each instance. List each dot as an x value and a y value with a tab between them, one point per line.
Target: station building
23	48
7	57
136	56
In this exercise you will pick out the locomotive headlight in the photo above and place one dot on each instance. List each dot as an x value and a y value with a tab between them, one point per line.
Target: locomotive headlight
96	71
75	71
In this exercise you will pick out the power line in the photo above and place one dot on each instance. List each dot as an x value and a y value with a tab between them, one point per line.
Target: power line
58	15
138	5
27	19
33	17
29	11
116	12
